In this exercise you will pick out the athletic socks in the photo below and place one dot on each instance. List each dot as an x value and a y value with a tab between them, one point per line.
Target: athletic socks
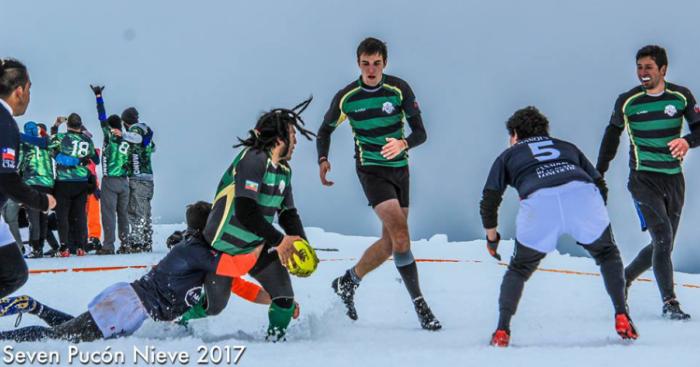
353	277
279	318
406	265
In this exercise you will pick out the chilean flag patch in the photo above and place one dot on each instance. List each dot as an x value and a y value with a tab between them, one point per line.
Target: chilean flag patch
8	154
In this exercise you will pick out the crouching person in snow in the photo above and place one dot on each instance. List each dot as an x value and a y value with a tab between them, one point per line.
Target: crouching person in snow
256	187
177	283
561	193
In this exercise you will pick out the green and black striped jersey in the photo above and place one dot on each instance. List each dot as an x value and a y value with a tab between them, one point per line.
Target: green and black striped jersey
375	114
251	175
75	145
36	166
652	121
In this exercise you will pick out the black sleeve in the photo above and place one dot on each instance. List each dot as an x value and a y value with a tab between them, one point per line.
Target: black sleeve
409	105
488	208
333	117
11	185
602	187
693	138
608	147
290	221
54	129
249	214
418	135
587	166
495	186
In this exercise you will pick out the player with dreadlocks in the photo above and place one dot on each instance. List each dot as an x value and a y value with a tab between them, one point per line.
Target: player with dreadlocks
255	187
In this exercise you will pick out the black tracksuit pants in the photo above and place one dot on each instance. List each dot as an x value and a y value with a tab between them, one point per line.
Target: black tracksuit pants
13	269
659	198
71	198
525	261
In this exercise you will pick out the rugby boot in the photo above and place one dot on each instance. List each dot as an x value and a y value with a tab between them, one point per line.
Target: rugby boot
625	327
14	305
345	288
500	338
428	321
672	310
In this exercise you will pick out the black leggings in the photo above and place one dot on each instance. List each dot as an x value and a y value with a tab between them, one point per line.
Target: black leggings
659	198
13	269
525	261
62	326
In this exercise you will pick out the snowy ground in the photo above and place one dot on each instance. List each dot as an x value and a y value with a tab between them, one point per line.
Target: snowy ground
563	320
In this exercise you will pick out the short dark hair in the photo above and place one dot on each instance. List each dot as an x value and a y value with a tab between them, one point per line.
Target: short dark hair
657	53
528	122
74	121
275	124
13	74
114	122
197	214
371	46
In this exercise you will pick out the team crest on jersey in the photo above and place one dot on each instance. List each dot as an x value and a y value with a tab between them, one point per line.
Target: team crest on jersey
670	110
193	295
8	158
388	107
282	186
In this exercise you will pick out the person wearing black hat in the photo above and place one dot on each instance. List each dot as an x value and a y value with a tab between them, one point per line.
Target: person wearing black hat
73	183
142	147
14	100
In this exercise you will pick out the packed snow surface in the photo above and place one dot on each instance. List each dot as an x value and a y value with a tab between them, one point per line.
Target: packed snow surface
564	319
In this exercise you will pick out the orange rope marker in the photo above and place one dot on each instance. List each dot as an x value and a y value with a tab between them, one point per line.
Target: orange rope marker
558	271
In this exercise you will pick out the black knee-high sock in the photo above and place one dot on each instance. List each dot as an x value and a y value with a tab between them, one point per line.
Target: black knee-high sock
409	274
51	316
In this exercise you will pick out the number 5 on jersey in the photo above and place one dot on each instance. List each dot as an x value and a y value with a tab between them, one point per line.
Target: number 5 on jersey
542	152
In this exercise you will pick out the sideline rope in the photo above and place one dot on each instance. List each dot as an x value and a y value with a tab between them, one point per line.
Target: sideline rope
558	271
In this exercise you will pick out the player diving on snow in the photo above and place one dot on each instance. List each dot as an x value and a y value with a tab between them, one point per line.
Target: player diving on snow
561	193
223	243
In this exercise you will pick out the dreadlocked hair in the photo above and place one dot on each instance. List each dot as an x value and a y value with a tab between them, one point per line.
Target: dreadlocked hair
275	124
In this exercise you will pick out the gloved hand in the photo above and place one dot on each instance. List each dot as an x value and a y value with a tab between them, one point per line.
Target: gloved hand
97	193
492	247
66	160
97	89
174	239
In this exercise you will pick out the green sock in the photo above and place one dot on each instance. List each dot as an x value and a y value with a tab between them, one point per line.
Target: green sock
195	312
279	320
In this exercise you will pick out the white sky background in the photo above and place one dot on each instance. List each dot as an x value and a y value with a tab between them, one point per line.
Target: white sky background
201	74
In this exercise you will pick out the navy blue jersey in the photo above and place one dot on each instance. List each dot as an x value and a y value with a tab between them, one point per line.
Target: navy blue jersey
9	147
538	162
175	284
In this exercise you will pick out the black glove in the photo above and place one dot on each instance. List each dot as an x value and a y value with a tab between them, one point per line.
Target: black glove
97	89
174	239
492	247
97	193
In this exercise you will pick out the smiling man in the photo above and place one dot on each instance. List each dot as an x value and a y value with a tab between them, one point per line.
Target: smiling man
377	106
652	113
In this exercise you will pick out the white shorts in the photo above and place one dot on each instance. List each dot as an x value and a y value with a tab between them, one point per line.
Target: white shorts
575	208
6	237
118	310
